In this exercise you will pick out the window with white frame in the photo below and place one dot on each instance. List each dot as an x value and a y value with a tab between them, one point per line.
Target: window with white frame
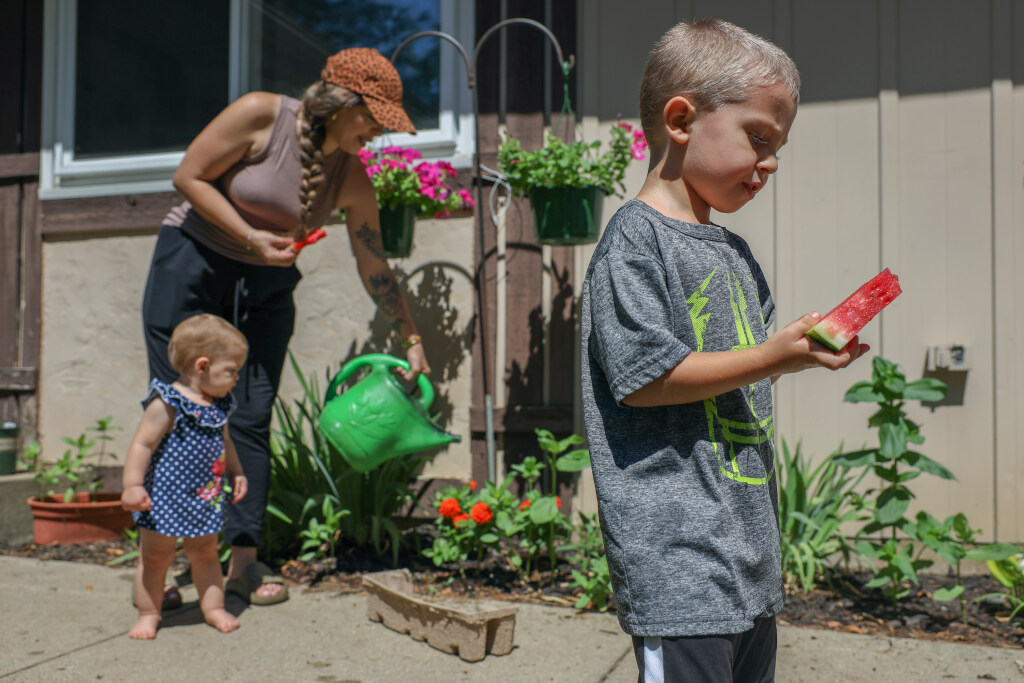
129	83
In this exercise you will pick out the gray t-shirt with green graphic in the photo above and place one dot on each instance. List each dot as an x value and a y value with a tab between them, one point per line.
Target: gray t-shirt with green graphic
687	493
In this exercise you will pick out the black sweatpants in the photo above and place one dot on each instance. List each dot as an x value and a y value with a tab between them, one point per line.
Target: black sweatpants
747	657
186	278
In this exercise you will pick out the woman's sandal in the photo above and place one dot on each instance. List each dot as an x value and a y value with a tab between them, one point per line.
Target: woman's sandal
254	576
172	597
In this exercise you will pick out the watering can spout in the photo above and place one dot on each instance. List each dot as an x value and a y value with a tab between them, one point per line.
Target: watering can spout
376	419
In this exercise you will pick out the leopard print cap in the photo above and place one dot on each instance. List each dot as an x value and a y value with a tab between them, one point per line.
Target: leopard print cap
366	72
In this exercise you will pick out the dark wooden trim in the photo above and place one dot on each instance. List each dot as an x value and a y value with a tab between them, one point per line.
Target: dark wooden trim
31	276
18	380
19	165
521	419
116	214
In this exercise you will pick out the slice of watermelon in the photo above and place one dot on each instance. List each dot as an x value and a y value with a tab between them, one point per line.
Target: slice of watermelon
848	318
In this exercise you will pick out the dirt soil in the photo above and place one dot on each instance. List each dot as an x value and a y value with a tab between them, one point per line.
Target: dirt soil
846	605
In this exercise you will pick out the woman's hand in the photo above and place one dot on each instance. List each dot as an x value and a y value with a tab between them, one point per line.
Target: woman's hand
417	362
273	249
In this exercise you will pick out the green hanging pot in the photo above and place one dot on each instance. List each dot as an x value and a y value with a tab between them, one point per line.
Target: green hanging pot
567	215
397	226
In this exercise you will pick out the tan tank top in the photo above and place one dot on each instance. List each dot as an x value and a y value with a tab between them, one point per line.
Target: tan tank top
264	189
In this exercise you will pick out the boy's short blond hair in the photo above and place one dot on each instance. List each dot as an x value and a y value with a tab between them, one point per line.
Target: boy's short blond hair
714	63
204	334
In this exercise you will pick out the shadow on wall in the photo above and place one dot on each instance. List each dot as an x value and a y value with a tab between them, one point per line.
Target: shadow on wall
447	341
525	383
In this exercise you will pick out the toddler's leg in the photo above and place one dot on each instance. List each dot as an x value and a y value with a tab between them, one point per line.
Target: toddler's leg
156	552
209	581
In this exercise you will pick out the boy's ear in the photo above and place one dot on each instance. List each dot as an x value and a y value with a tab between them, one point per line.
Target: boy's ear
679	114
201	364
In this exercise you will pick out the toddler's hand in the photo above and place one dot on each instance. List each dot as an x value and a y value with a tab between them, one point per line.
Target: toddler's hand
239	487
790	351
136	499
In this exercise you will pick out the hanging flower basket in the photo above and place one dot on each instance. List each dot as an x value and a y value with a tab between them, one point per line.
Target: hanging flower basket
397	227
564	216
567	181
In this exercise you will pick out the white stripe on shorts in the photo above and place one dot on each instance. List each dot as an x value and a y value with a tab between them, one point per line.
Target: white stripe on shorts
654	660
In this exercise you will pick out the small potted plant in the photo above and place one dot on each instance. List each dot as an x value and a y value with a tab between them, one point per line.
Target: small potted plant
79	513
407	188
567	181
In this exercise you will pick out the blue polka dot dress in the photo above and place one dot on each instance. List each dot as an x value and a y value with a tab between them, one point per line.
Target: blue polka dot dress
183	478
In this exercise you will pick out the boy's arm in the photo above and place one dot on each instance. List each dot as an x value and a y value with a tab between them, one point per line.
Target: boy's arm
233	469
157	420
706	374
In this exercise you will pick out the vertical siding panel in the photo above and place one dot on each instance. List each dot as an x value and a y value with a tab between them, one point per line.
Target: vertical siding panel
827	208
943	242
1008	253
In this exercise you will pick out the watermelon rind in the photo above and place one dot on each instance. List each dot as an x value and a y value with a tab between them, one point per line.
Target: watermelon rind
835	343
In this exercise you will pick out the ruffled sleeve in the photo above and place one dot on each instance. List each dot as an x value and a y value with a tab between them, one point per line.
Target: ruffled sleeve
212	416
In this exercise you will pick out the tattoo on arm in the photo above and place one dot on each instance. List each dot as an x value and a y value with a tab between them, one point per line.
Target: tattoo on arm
371	240
385	293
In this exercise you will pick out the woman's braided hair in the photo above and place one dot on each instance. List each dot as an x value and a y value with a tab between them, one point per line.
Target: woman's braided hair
320	101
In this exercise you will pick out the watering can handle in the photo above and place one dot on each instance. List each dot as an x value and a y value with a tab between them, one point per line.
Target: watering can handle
382	361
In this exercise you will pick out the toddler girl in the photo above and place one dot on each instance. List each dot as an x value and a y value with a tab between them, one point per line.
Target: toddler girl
176	462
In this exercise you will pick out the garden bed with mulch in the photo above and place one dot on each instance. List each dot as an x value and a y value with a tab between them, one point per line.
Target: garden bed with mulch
846	605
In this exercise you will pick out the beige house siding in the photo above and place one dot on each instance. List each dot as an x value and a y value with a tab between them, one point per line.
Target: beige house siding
907	153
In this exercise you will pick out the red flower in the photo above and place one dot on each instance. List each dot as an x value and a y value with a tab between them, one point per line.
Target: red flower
472	484
525	504
460	518
481	513
558	502
217	467
449	508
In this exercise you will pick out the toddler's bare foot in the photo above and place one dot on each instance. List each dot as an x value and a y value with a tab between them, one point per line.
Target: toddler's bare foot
145	627
221	619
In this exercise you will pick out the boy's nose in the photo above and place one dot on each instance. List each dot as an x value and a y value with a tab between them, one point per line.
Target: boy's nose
768	164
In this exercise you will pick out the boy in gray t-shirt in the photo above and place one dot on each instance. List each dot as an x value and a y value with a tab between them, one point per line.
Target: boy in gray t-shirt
678	366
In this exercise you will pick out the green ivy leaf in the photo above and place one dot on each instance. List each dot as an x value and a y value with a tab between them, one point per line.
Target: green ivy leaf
993	551
950	592
891	505
544	510
926	389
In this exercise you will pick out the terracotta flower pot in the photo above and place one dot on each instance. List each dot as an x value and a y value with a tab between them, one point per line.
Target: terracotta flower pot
82	520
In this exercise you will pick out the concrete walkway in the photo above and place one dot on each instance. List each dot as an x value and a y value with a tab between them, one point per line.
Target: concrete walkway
61	621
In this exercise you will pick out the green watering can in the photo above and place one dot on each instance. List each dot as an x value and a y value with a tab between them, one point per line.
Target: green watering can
377	419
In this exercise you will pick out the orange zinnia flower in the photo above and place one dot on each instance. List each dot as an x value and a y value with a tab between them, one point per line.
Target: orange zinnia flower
460	518
525	504
449	508
481	513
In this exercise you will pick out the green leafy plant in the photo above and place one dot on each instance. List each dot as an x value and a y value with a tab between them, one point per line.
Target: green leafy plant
320	538
895	463
572	164
306	470
950	539
77	470
590	573
813	504
1009	571
467	523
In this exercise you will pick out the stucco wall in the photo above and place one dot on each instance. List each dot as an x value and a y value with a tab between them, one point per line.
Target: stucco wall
93	358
